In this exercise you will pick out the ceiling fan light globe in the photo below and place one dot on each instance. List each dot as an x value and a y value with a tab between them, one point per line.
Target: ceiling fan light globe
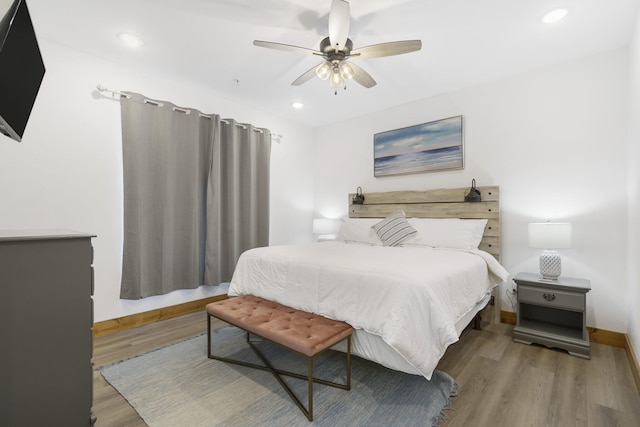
346	70
323	71
336	80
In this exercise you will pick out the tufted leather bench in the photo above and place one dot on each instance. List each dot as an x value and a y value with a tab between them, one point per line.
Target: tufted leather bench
304	333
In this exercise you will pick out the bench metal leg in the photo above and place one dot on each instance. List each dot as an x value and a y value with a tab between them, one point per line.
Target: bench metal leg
277	373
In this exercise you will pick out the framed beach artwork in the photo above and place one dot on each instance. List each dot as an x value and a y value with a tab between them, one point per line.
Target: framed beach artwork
428	147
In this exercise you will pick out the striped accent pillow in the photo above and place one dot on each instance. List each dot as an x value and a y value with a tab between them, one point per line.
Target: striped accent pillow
394	229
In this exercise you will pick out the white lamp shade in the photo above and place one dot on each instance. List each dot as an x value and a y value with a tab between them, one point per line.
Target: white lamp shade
325	226
550	235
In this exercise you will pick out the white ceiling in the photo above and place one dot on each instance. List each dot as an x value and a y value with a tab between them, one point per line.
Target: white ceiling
465	42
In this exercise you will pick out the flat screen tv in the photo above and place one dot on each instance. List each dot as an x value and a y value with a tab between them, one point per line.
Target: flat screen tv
21	67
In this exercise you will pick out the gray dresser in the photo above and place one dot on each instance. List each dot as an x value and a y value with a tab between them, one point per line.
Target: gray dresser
46	340
552	313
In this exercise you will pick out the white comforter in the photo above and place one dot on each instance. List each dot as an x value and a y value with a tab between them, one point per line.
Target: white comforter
411	297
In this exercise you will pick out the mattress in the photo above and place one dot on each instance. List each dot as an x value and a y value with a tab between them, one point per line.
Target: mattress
406	304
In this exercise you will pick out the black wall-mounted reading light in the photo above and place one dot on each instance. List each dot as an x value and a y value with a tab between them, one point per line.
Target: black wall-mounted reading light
474	194
358	198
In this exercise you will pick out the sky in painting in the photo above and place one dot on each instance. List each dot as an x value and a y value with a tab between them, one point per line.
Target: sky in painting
413	139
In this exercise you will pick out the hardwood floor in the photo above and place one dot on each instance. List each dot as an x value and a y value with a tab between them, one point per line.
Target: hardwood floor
109	406
510	384
503	383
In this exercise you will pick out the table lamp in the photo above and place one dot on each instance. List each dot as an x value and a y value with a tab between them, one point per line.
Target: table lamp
326	228
550	236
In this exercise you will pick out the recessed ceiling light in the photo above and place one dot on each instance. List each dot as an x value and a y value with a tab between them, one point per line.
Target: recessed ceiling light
554	16
130	40
297	105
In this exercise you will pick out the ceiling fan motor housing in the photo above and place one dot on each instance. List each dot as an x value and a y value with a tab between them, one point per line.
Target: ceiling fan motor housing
328	50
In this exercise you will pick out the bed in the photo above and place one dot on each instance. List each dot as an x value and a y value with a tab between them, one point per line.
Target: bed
407	302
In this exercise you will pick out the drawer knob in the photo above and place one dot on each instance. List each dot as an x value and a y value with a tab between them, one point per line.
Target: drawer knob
549	297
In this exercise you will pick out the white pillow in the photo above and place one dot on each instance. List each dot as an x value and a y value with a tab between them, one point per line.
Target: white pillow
446	232
394	229
358	230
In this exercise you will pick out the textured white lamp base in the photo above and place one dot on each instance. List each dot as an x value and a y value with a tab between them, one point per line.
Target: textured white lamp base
550	265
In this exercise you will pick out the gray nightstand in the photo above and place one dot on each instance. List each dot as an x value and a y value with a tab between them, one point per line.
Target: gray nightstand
552	313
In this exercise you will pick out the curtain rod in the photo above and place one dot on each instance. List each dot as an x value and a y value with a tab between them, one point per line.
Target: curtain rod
101	88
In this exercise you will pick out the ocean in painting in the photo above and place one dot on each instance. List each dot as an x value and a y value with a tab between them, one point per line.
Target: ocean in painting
421	161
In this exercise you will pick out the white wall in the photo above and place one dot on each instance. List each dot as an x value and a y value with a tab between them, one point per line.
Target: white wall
554	140
634	191
67	172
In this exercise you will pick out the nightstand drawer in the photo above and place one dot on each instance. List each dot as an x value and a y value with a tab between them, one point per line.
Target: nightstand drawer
552	298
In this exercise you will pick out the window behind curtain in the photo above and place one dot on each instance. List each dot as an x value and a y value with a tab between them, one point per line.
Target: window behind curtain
196	194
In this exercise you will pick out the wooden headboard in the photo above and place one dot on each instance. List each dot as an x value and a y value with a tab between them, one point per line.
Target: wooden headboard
440	203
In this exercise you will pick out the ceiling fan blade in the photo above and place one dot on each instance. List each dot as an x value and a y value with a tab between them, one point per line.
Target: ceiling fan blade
339	24
308	75
286	47
387	49
362	77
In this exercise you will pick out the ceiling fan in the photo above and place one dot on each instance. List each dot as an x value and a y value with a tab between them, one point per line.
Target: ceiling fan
338	48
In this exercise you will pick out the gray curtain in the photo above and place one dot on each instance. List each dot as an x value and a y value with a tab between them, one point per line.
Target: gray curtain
195	196
237	197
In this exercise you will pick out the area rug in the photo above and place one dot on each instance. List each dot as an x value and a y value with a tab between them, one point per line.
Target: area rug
179	385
